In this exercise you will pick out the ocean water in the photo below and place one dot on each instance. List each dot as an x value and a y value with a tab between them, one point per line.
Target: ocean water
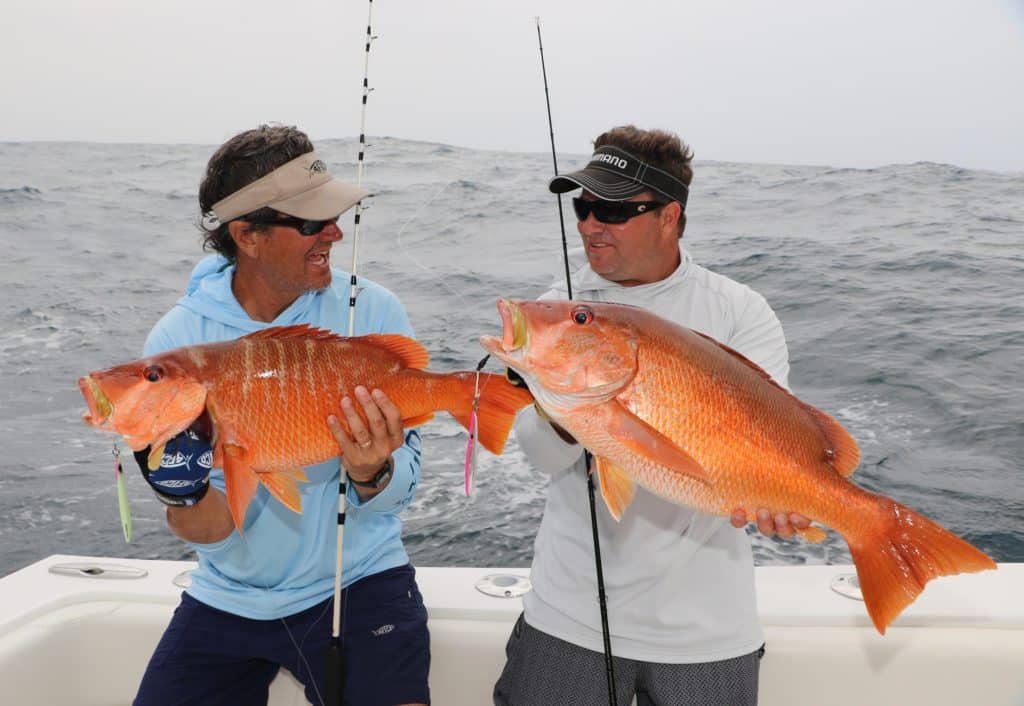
899	287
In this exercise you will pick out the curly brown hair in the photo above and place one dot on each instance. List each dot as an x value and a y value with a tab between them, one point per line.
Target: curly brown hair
659	148
238	162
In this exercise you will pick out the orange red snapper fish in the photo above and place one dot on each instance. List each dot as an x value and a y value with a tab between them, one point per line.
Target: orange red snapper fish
268	396
693	421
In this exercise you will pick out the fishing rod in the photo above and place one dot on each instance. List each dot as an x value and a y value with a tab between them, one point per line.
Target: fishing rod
335	681
359	174
554	161
601	597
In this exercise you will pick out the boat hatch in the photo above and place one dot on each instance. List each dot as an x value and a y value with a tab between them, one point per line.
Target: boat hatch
91	570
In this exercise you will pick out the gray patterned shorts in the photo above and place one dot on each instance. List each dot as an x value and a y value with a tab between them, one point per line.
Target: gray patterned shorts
542	670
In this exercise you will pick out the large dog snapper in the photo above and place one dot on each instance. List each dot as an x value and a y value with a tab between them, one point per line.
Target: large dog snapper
693	421
268	396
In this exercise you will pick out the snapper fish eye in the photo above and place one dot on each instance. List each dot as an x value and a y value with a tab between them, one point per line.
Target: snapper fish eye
582	315
153	373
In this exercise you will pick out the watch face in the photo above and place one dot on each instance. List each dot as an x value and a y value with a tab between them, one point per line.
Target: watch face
383	477
379	480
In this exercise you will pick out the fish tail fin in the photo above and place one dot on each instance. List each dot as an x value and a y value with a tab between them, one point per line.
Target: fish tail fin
499	402
896	557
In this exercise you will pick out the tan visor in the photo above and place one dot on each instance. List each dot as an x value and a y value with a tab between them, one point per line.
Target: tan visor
302	187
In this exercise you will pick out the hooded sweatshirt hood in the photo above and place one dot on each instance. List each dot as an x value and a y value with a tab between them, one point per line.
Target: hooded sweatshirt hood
209	295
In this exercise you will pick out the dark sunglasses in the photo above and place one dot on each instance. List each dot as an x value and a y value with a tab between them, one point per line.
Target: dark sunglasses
304	226
613	212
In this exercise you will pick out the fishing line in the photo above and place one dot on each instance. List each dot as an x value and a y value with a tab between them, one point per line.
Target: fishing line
588	459
288	631
472	442
408	256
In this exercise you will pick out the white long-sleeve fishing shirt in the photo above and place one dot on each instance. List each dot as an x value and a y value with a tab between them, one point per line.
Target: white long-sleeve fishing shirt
679	583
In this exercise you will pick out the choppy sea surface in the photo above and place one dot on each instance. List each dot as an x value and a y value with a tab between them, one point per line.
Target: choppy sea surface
899	288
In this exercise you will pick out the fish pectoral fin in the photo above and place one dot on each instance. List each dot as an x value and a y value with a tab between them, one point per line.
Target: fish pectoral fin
156	456
617	488
284	485
642	439
240	482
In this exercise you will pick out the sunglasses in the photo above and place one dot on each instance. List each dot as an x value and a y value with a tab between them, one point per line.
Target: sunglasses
613	212
304	226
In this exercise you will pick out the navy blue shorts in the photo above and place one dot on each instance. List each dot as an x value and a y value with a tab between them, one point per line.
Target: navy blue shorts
213	658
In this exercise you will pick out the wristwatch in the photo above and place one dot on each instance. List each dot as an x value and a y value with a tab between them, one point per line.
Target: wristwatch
379	480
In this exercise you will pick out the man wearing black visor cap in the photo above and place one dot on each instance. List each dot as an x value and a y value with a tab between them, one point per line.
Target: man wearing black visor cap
615	174
680	583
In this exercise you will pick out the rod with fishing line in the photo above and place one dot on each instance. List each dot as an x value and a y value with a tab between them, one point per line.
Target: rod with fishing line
335	679
516	379
601	596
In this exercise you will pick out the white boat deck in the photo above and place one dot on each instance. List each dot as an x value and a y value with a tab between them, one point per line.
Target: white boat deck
85	639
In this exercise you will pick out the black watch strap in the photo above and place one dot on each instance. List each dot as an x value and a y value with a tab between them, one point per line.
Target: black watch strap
379	480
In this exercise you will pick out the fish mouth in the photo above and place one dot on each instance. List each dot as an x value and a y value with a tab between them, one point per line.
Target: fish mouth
514	333
100	407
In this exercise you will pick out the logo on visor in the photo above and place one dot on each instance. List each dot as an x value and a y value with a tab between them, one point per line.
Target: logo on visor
317	167
611	159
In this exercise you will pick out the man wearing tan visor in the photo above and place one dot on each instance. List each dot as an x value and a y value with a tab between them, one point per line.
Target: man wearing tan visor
262	598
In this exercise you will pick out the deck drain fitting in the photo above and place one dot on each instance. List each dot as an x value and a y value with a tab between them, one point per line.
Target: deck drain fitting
847	585
503	585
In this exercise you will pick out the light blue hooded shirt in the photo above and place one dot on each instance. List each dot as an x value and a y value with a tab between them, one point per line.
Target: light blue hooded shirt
283	562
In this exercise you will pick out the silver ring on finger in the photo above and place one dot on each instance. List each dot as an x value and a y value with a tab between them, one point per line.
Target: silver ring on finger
366	444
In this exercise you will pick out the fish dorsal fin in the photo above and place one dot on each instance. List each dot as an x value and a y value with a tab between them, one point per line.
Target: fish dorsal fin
296	331
642	439
411	351
841	449
617	488
743	359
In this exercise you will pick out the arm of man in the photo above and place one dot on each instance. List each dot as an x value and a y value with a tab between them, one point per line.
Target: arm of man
547	447
206	522
182	482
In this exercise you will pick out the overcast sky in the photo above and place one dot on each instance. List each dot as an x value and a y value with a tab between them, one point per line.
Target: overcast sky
837	82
